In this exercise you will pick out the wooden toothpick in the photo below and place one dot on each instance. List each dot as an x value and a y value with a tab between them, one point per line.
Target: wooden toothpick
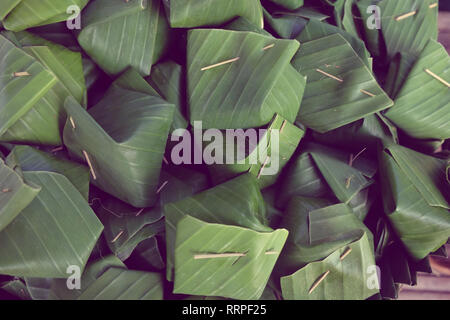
271	252
139	212
348	181
218	255
406	15
220	64
318	281
433	5
282	126
57	149
6	190
352	159
368	93
263	166
346	253
329	75
117	237
269	46
162	187
72	122
431	73
165	160
91	168
21	74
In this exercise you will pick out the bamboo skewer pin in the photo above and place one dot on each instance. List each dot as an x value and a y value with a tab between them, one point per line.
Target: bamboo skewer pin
117	237
269	46
431	73
353	159
271	252
433	5
329	75
57	149
139	212
218	255
368	93
348	181
345	254
90	165
406	15
318	281
282	126
72	122
263	166
21	74
165	160
162	187
220	64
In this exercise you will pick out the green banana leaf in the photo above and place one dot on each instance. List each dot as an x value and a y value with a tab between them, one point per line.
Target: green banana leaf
422	105
167	79
126	226
422	228
364	133
426	173
148	256
343	15
31	159
7	6
29	250
399	68
410	34
286	26
396	264
20	94
317	228
121	284
92	74
134	34
240	94
289	4
302	178
344	180
132	80
68	66
41	118
286	101
163	83
30	13
286	141
56	289
16	288
243	277
347	279
273	213
15	194
125	155
316	29
308	12
236	202
57	33
371	36
195	13
243	24
330	103
324	172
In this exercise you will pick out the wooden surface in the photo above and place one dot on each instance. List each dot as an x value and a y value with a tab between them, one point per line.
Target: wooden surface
444	29
435	286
